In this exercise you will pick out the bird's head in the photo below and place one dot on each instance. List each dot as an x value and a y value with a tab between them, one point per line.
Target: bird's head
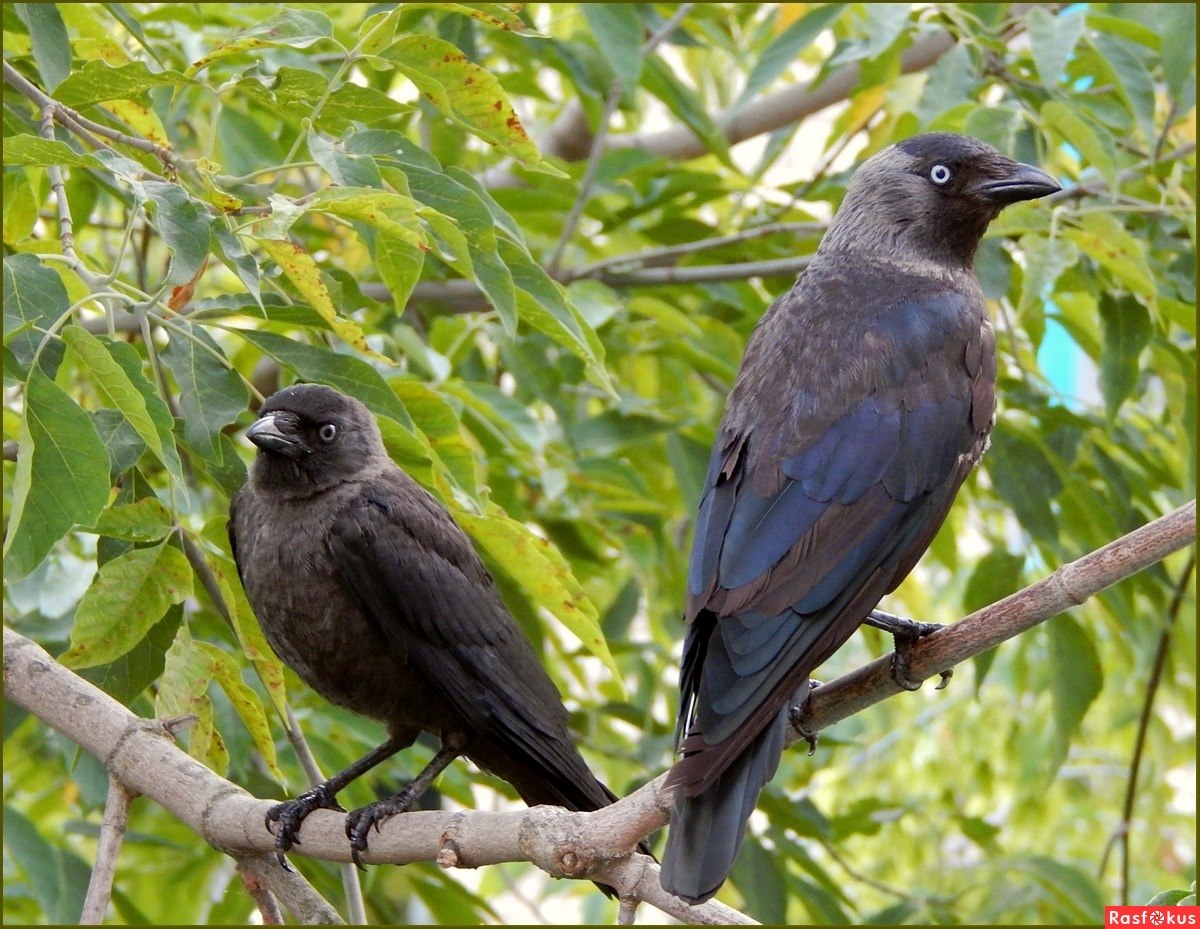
311	437
933	195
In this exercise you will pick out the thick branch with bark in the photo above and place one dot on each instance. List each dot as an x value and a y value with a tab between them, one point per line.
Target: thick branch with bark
143	758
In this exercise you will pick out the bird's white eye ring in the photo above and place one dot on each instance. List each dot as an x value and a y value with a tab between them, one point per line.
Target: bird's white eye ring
327	432
939	174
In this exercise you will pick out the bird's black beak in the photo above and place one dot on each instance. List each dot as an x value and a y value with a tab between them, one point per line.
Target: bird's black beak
1021	182
273	436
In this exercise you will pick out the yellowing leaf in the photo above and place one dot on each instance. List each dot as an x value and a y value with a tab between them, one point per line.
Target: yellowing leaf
183	689
143	120
467	93
304	274
225	672
544	575
129	595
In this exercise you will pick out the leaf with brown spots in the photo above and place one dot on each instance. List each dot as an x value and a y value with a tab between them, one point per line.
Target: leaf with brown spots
305	275
468	94
129	595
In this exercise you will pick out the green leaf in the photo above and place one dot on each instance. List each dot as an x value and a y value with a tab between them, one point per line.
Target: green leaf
58	878
885	22
468	94
185	226
1074	894
785	48
543	574
1052	40
1083	137
128	676
1178	47
183	689
124	386
472	218
124	445
292	28
245	623
61	476
1045	260
761	881
357	176
145	520
97	81
996	575
1171	898
48	37
618	31
1134	83
34	298
344	372
544	305
226	672
1076	679
438	422
681	100
129	595
1105	240
27	149
211	393
1127	330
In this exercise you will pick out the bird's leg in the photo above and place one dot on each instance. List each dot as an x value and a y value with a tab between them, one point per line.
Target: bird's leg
359	822
904	633
796	717
291	813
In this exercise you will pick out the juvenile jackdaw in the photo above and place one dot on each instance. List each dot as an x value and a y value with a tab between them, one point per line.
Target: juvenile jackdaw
369	590
865	396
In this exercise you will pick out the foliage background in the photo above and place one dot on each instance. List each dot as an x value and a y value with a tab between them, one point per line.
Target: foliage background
381	198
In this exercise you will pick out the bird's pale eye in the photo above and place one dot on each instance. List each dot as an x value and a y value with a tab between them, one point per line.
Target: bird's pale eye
940	174
327	432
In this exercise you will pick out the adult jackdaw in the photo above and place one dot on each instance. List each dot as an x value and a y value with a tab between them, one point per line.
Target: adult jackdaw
865	396
367	588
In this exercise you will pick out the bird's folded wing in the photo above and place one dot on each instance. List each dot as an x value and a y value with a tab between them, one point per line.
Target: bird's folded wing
781	576
453	628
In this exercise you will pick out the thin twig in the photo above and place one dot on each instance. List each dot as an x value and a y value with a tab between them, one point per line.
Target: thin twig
66	225
81	125
1121	835
656	257
260	892
112	832
615	92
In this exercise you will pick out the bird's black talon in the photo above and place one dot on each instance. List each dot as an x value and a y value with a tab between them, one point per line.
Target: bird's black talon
900	669
904	633
796	717
945	681
290	816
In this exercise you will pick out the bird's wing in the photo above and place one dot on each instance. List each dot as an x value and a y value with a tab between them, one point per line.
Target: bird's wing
433	602
794	548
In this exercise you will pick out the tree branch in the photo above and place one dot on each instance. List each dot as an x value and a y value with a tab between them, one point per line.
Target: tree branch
112	833
570	139
144	759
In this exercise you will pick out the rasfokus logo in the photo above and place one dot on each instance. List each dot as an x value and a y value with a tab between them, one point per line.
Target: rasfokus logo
1153	916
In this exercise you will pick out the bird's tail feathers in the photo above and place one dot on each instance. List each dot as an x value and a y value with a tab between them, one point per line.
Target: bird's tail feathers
707	829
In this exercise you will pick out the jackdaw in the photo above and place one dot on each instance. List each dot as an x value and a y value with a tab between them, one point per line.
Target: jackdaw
369	590
866	395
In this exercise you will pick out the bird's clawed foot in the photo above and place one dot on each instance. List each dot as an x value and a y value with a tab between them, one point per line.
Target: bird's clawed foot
796	719
359	823
284	819
904	633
